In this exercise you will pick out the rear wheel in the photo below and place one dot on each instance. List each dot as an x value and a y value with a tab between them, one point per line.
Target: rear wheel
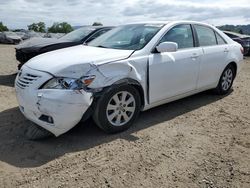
226	80
117	109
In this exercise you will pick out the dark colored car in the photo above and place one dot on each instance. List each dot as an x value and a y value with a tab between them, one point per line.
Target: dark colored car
35	46
244	40
9	37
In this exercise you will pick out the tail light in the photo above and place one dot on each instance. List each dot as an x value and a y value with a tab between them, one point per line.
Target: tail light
242	50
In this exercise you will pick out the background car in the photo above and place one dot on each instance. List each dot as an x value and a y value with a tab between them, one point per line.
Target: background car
53	35
9	37
28	34
35	46
244	40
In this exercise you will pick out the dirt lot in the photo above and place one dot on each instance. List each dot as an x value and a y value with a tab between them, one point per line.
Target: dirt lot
199	141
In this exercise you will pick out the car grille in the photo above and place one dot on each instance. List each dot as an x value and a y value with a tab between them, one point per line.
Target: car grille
25	80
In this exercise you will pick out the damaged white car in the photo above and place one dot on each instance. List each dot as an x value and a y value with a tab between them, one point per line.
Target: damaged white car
129	69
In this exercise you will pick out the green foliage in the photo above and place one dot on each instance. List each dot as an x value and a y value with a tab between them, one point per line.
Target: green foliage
63	27
37	27
97	24
3	27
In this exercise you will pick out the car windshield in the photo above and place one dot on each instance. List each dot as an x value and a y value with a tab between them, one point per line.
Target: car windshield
78	34
8	33
127	37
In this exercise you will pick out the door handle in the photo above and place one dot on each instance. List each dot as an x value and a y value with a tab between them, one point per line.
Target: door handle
194	56
226	50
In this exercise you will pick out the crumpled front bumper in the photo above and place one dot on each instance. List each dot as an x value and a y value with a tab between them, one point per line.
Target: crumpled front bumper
65	108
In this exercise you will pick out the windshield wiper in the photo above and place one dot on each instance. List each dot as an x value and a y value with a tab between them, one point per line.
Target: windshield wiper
100	46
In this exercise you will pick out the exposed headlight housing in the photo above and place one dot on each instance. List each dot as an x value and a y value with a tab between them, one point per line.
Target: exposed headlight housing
87	80
69	83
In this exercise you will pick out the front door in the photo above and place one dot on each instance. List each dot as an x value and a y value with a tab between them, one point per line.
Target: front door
174	73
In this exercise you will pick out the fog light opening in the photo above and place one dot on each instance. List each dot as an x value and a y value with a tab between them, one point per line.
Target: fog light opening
46	118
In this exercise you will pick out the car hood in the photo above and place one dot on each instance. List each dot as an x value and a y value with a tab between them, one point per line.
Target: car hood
38	42
13	37
75	61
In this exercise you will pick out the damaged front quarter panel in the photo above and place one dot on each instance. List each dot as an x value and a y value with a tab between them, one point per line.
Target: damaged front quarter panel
105	73
109	73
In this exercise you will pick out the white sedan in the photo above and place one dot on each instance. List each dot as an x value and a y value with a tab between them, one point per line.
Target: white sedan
129	69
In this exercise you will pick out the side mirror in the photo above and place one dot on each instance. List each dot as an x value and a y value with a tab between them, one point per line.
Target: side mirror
167	47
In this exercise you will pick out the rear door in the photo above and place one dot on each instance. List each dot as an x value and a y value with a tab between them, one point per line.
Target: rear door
215	52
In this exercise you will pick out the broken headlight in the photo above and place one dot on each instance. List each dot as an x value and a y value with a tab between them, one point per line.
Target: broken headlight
68	83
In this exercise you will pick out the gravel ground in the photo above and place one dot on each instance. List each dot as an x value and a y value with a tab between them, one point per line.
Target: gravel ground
199	141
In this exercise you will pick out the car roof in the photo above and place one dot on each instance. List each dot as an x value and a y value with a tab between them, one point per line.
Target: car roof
96	27
170	22
148	22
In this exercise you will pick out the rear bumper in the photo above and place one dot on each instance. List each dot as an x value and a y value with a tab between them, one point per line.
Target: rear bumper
53	109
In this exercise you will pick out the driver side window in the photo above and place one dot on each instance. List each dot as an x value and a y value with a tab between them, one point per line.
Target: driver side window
180	34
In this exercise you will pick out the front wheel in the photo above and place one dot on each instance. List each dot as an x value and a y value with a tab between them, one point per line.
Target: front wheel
117	109
226	80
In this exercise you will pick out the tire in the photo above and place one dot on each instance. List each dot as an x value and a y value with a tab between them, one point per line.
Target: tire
117	109
248	52
35	132
226	80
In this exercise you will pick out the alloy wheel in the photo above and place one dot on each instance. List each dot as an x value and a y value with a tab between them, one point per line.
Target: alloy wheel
120	108
227	79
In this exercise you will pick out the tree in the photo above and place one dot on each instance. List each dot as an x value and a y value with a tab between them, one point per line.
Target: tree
240	31
37	27
63	27
41	27
33	27
97	24
3	27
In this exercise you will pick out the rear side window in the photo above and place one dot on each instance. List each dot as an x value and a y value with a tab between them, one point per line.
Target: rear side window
220	40
205	35
180	34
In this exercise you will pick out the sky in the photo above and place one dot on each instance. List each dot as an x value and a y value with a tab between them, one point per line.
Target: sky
20	13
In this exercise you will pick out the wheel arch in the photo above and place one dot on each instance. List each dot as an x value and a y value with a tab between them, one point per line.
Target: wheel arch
230	63
219	90
234	65
124	81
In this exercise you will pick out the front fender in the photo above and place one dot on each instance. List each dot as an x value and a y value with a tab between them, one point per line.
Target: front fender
110	73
